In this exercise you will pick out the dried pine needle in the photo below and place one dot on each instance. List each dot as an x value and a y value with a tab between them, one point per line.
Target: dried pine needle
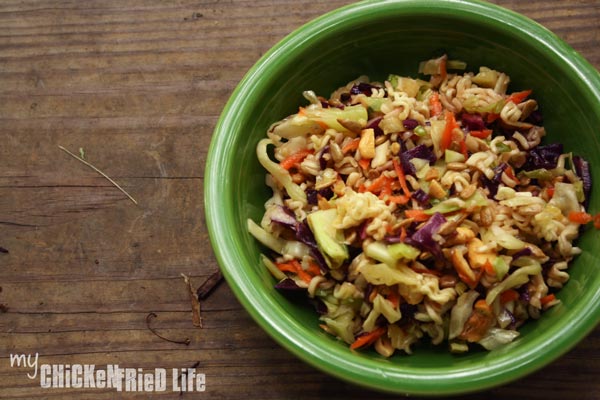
98	171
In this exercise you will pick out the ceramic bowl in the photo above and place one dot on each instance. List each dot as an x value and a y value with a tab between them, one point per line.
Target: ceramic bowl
377	38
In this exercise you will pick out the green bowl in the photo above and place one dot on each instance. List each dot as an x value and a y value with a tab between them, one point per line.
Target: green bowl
377	38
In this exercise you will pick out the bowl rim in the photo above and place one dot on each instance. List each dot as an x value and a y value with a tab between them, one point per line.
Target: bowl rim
370	374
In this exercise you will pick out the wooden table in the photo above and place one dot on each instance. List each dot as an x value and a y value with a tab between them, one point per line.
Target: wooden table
88	277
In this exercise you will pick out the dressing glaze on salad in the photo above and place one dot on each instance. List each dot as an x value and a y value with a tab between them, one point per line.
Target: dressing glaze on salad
421	209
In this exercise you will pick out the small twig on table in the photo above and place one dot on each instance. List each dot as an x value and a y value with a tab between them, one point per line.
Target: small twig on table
98	171
196	318
209	284
149	318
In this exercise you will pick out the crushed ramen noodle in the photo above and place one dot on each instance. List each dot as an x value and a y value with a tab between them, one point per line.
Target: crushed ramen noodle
412	210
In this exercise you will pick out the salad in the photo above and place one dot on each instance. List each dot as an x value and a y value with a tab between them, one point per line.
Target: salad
421	209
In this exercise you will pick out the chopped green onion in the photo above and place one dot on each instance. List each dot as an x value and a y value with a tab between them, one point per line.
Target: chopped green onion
502	147
424	93
541	174
420	131
393	80
456	64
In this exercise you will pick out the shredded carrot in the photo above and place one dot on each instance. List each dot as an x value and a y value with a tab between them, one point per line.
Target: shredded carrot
492	117
510	173
286	267
550	191
322	124
470	277
482	134
597	221
379	184
368	338
435	104
399	199
295	158
417	215
447	134
508	296
385	192
547	299
313	269
580	217
489	268
482	305
394	298
383	186
351	145
401	176
305	276
301	111
404	234
443	70
295	267
373	294
364	163
387	188
518	97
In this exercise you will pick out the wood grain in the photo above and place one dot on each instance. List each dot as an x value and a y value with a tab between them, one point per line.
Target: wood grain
138	85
